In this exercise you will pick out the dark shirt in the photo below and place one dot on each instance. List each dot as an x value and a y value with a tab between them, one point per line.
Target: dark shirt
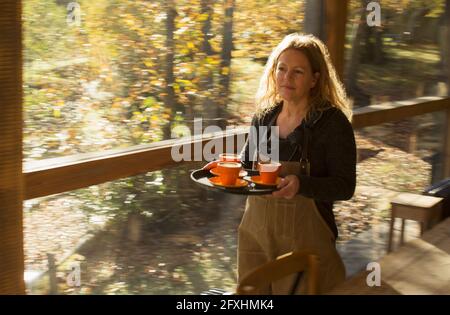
331	152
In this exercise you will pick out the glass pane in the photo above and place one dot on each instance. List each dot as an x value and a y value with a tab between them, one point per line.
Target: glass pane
392	158
156	233
405	57
105	74
418	139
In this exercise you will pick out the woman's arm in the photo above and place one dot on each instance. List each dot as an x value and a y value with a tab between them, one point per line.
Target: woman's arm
341	164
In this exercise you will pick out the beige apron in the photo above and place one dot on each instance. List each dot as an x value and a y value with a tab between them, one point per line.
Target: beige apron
273	226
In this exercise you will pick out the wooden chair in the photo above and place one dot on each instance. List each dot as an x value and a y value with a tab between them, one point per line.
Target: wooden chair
285	265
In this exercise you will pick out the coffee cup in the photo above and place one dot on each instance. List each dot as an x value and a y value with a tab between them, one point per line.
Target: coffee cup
268	172
229	157
229	172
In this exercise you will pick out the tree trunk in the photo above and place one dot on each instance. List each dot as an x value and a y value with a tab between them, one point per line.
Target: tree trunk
414	18
360	98
225	64
210	109
367	49
170	100
378	52
314	22
206	8
373	47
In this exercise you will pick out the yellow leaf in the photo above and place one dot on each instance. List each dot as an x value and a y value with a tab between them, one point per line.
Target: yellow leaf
56	112
148	63
176	88
203	17
211	61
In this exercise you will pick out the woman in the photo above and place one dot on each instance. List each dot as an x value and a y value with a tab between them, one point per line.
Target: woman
300	94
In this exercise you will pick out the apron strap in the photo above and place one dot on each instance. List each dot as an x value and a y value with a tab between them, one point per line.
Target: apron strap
304	162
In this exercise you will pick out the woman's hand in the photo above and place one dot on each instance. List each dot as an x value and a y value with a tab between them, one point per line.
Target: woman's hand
288	187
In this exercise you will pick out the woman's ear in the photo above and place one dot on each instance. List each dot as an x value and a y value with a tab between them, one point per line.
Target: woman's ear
315	79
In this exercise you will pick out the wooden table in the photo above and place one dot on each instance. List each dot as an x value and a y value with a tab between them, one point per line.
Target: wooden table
421	266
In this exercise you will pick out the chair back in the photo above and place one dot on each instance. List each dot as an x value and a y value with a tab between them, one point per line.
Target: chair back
297	262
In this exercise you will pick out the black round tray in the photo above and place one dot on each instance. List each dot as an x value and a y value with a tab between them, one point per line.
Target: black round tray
201	178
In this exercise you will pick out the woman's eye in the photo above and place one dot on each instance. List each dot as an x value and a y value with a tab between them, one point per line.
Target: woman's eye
281	69
299	72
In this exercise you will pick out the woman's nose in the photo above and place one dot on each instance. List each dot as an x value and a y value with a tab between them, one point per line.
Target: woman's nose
288	75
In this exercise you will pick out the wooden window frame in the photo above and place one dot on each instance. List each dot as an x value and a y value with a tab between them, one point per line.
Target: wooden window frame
42	178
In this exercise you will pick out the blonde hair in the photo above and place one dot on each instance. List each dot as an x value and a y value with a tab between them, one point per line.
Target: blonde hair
328	91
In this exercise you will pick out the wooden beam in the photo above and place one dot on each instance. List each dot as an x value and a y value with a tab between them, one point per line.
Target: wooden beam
393	111
336	20
51	176
11	185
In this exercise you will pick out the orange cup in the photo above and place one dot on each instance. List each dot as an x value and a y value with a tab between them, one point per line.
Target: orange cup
269	172
229	157
229	172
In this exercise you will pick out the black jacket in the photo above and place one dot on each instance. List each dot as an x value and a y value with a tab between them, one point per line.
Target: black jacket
331	152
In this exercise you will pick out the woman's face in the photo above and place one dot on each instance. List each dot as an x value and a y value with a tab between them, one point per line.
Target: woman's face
294	77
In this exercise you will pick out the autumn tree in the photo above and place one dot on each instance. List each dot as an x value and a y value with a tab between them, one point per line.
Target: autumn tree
227	47
210	107
170	100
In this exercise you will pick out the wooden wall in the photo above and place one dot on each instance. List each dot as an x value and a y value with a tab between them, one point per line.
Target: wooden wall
11	228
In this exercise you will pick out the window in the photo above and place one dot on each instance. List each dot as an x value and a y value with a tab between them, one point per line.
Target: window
403	58
106	74
109	74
